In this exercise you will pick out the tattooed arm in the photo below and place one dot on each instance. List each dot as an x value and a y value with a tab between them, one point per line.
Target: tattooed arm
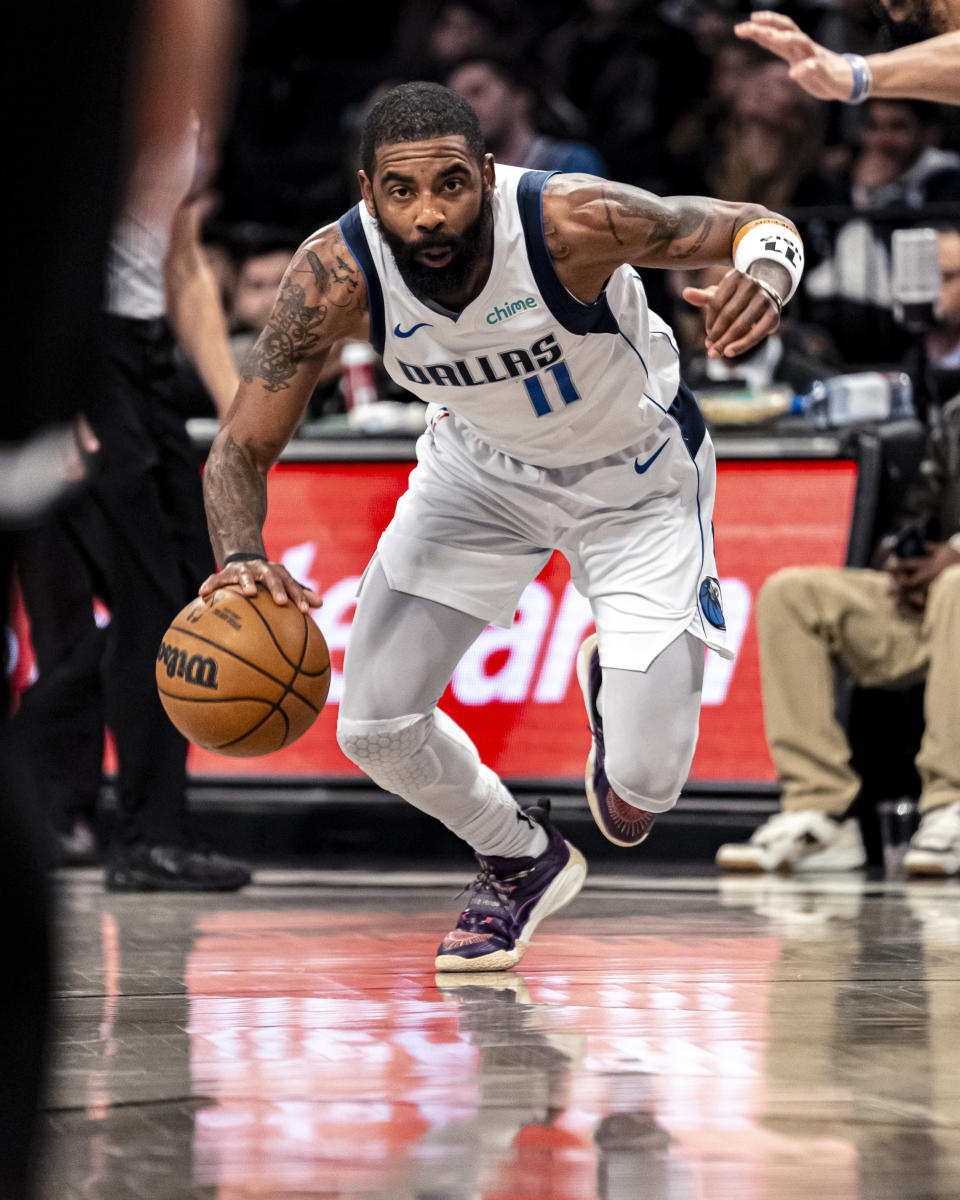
321	300
592	226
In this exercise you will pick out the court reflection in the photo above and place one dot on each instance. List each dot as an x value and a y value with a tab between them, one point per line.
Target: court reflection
759	1039
625	1057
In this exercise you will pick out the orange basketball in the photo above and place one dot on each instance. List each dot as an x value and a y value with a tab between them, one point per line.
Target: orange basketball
242	675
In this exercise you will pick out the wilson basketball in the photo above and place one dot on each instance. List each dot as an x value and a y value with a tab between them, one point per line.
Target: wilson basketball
242	675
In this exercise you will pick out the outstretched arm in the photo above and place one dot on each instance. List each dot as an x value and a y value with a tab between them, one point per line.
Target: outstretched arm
593	226
928	70
194	309
321	300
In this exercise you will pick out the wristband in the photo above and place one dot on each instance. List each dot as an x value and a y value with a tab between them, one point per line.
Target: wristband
862	78
244	556
773	241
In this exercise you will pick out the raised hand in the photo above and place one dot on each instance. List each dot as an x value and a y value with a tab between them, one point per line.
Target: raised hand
816	69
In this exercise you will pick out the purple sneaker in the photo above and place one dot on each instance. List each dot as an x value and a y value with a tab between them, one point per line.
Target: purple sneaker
619	822
508	900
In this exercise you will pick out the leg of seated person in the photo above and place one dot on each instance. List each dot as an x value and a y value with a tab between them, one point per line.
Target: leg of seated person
808	618
939	759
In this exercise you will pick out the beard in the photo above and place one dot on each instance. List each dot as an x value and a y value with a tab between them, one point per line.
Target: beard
441	283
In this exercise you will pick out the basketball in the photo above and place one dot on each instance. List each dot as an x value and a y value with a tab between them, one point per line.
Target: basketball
242	675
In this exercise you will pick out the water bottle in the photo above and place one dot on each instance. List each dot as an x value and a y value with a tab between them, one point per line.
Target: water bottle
862	396
359	386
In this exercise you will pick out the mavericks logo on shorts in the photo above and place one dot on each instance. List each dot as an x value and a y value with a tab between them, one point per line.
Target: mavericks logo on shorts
711	602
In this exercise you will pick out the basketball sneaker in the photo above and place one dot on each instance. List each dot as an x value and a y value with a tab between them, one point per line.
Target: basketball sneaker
799	841
619	822
935	847
508	900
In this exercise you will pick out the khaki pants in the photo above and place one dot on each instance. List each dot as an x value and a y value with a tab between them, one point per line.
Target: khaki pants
808	618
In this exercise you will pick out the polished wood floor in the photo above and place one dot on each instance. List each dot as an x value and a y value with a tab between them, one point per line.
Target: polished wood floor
675	1038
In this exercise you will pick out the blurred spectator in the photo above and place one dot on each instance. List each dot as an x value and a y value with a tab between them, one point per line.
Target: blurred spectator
897	169
632	76
434	35
937	356
507	100
767	150
258	279
697	131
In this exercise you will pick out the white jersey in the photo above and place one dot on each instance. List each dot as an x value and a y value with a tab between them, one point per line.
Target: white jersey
526	367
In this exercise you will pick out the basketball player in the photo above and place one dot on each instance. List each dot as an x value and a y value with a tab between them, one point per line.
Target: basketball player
557	419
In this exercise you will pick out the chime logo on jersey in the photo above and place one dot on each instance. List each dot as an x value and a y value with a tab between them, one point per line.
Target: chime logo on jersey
523	362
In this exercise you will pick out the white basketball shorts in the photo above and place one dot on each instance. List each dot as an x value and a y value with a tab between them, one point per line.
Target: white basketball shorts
476	526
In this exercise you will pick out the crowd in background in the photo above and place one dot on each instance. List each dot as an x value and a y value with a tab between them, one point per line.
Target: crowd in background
662	95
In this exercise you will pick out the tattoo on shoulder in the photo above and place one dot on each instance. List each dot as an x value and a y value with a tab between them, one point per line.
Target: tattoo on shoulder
302	308
292	331
678	231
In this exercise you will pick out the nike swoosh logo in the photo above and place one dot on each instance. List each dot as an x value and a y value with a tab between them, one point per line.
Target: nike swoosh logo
640	467
398	332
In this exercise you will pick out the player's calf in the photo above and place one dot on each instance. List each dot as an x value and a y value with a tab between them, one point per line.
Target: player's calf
624	814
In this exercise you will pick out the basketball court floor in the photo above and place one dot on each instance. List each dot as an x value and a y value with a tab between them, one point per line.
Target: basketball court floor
669	1036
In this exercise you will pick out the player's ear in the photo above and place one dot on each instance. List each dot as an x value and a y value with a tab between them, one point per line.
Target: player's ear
489	172
366	191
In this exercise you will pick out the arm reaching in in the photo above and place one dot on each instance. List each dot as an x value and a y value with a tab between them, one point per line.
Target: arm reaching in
194	309
321	300
593	226
928	70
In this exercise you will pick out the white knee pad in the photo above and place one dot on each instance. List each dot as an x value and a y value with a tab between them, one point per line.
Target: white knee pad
408	755
393	753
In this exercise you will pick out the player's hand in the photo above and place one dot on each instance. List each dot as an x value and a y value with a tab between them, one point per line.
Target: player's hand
273	576
739	313
816	69
910	578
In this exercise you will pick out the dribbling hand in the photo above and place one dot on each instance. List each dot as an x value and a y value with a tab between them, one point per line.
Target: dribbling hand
273	576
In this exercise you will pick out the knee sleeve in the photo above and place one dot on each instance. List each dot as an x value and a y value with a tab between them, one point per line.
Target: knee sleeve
409	754
392	752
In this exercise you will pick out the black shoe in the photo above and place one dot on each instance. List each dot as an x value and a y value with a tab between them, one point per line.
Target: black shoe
77	846
170	868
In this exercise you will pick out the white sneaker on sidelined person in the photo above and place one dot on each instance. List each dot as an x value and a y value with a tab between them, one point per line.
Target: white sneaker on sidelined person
935	847
800	841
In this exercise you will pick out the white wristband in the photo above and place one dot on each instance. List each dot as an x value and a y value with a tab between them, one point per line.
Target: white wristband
773	241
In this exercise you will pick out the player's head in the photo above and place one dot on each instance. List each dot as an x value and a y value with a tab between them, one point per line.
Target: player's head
429	184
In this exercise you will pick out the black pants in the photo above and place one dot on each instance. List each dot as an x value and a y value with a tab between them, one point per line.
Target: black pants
140	536
61	716
24	1006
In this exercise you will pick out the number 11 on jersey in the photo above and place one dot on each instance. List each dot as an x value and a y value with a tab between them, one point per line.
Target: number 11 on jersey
561	380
